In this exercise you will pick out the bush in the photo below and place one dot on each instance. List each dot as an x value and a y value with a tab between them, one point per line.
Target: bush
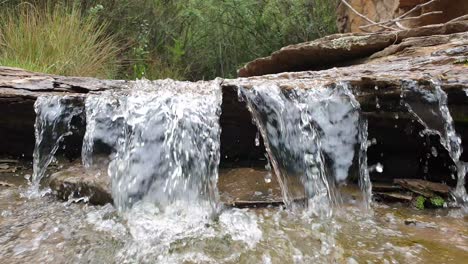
204	39
56	39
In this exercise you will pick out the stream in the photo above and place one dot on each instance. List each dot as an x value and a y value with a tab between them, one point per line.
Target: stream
158	146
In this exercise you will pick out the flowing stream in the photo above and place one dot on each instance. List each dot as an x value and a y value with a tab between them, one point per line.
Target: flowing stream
159	144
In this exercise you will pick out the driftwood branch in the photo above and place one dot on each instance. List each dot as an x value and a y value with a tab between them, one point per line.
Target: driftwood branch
404	16
396	21
373	23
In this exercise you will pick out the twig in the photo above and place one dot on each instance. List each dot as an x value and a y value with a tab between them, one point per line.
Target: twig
406	19
400	25
416	8
421	16
373	23
460	18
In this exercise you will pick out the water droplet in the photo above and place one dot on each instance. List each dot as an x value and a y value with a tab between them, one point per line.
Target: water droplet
397	116
257	140
434	152
268	178
379	167
376	88
27	176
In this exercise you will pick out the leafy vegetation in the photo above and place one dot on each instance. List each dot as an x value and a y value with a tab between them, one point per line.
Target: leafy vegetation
437	201
196	39
419	202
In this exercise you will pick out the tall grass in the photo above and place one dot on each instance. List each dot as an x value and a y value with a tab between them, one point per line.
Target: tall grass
56	39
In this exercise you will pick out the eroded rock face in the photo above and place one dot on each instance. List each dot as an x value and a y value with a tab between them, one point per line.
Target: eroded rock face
339	50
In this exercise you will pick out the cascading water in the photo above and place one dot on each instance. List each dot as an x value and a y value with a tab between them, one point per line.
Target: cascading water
308	134
54	115
104	126
166	140
364	178
429	107
164	143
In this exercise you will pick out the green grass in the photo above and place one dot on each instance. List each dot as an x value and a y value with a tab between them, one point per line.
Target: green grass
58	40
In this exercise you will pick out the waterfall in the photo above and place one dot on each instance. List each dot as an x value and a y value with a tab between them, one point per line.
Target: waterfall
364	177
104	126
165	141
310	136
429	107
54	115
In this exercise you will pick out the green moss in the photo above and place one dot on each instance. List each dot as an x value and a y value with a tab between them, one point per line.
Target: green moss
437	201
419	202
463	61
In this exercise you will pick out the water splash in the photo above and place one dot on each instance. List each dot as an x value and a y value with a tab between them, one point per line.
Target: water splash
165	141
54	115
430	108
310	136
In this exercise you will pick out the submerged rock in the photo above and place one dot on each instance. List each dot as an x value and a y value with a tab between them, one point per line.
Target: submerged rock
76	182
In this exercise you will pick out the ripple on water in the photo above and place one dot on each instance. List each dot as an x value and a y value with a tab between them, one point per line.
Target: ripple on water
48	231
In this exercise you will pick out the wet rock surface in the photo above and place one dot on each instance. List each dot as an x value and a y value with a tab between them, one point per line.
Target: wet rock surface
238	187
76	182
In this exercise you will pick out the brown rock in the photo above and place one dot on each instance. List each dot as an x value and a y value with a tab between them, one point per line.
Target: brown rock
339	50
392	197
76	182
425	188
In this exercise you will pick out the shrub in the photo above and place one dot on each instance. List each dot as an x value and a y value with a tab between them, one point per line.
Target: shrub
56	39
204	39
